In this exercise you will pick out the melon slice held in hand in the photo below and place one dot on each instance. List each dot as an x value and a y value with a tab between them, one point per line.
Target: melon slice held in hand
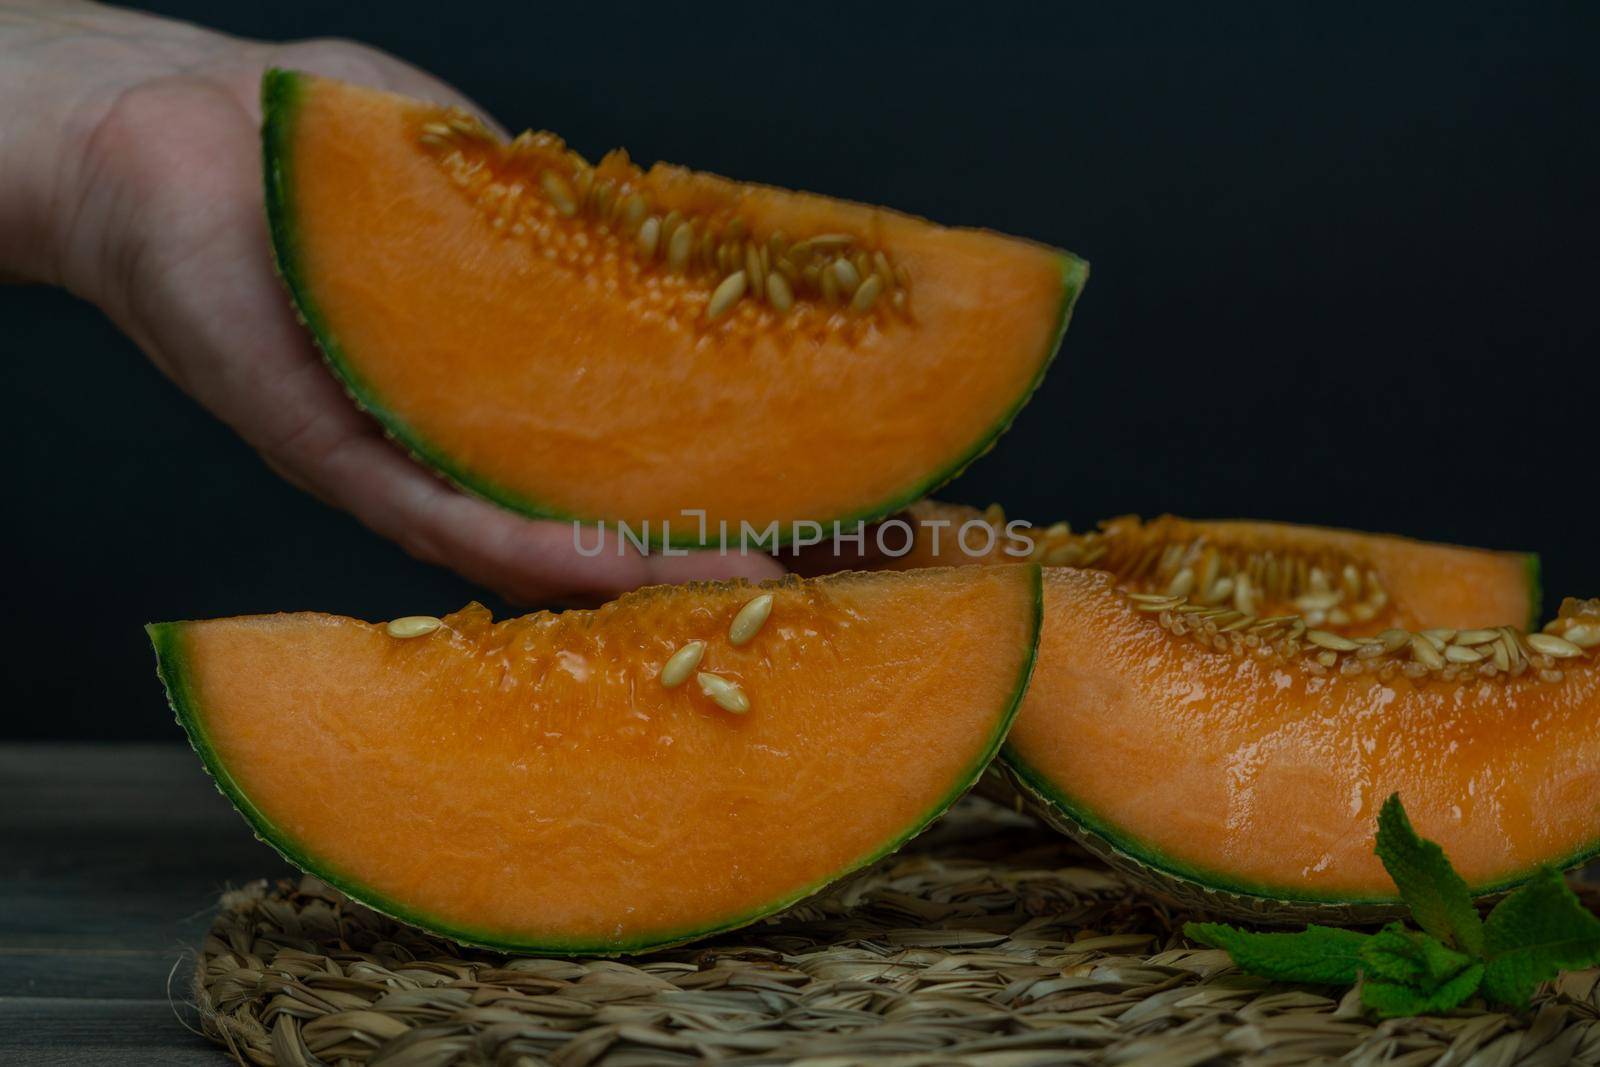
603	342
536	785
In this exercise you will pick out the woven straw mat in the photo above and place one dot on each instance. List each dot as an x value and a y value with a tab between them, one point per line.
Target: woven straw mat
988	941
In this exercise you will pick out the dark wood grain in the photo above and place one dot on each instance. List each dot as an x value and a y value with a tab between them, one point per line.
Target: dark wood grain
111	859
45	1031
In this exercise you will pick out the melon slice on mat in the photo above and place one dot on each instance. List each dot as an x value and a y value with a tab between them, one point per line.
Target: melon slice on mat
533	785
605	342
1238	763
1344	580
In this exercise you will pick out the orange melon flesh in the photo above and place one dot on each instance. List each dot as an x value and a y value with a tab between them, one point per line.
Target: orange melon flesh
1244	783
1423	584
540	361
531	784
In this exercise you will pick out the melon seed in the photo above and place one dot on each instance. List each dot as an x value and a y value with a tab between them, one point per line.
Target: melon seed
754	271
866	294
748	622
559	192
1318	601
1551	645
1182	583
1394	640
725	694
1584	635
681	663
726	294
828	282
1333	642
413	626
823	240
1244	594
680	246
844	272
1425	653
649	237
634	210
779	295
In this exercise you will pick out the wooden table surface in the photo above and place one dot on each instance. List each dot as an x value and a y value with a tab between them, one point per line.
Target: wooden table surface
111	859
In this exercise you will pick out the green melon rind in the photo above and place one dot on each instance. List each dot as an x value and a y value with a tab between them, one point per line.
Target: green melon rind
1213	892
280	91
1533	567
167	640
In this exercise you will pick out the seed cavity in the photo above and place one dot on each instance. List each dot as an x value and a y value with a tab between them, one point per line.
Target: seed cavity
535	188
1324	588
1220	596
681	664
723	693
1433	654
413	626
748	622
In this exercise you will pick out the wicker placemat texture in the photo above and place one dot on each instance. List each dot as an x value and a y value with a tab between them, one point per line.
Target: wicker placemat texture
990	941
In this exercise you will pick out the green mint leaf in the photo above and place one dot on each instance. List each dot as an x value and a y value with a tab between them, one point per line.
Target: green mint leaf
1411	957
1532	934
1440	963
1391	999
1321	955
1391	955
1437	896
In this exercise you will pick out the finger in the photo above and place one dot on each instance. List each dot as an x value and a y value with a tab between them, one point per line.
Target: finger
523	559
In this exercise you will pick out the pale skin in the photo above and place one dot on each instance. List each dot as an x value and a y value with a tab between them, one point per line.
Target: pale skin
130	174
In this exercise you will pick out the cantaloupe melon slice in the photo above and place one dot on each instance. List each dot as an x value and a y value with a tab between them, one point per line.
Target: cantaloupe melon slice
604	342
1238	763
534	785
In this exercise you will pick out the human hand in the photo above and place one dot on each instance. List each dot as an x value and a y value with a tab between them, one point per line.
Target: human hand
130	172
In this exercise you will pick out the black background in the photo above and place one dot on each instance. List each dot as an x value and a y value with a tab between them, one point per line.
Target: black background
1345	272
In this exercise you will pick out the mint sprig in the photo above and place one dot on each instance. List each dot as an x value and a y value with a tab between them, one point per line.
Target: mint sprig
1529	937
